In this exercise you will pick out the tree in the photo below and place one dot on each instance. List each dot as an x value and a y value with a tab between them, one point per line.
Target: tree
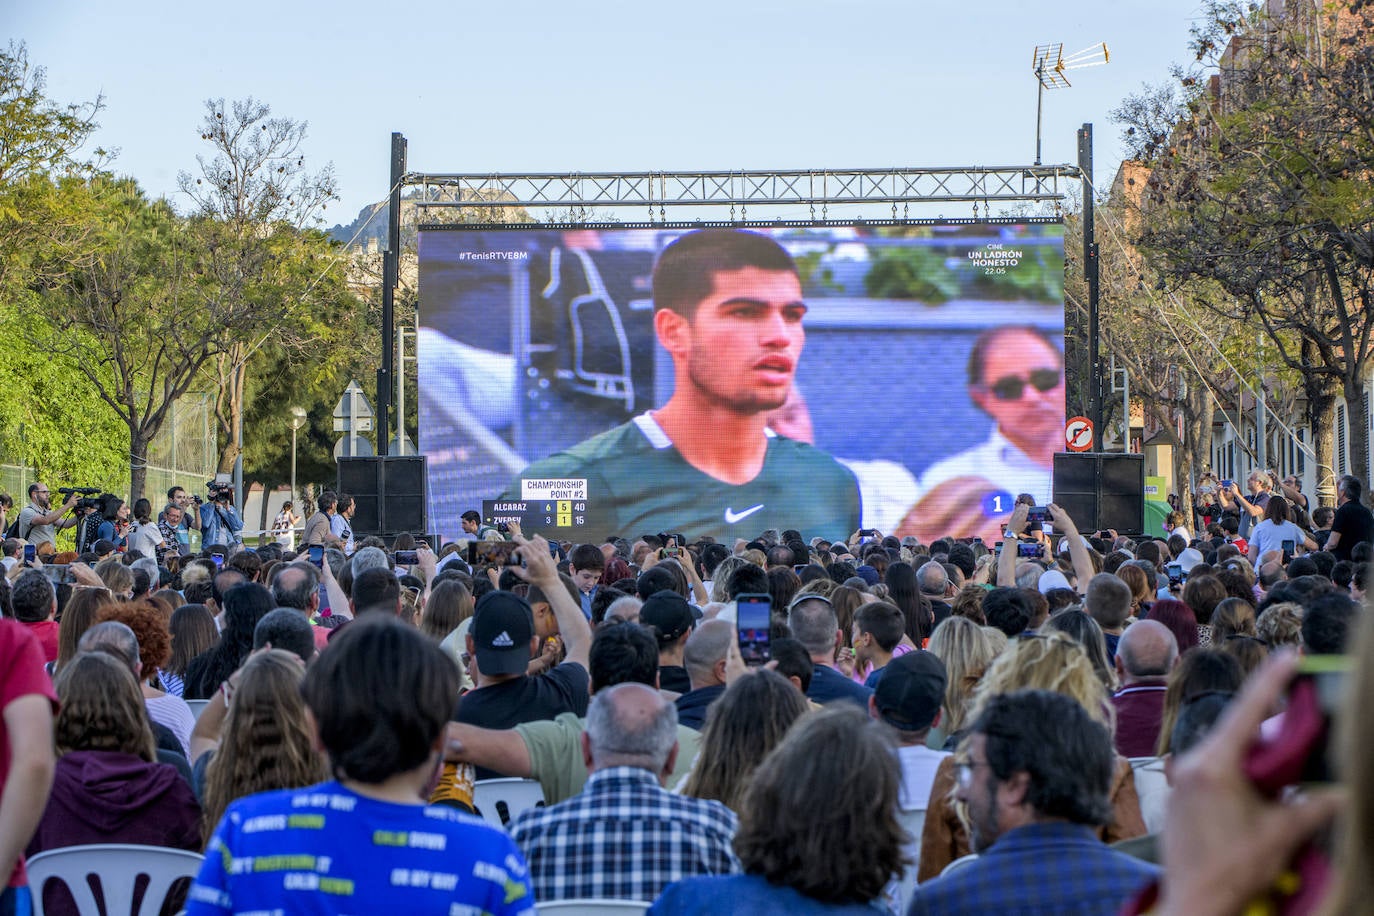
1261	187
255	200
118	308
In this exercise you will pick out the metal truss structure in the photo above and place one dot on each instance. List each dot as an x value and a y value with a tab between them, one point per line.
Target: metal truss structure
817	188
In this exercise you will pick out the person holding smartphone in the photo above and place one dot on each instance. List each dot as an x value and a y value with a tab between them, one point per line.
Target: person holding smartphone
1276	528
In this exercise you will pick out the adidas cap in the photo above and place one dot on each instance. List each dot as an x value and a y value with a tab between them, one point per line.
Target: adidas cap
502	627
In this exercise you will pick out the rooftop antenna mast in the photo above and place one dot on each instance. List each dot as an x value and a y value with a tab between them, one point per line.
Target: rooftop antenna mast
1049	66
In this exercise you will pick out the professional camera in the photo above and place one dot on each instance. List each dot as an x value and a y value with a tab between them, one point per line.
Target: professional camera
92	498
219	492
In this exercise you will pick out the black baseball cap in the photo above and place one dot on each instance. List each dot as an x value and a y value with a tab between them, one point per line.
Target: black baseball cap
669	613
502	627
911	691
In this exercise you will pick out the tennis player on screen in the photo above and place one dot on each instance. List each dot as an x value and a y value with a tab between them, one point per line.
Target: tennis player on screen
728	308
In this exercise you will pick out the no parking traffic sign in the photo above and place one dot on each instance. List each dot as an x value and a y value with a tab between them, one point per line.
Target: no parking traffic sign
1078	434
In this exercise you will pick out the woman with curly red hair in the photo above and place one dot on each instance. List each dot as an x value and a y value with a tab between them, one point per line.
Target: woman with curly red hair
149	624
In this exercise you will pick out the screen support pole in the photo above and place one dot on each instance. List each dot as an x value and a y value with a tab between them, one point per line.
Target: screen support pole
391	259
1091	274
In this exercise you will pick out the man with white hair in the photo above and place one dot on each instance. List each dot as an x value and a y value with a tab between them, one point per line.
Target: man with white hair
934	583
625	837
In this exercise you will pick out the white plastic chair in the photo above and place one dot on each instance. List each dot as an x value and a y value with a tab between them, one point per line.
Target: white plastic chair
197	706
959	863
593	906
1153	788
500	800
118	866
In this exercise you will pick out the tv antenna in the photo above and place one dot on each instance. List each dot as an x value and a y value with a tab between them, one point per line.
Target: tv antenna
1049	66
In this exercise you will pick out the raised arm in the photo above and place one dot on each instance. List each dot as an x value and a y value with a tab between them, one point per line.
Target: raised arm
1078	553
1006	562
540	570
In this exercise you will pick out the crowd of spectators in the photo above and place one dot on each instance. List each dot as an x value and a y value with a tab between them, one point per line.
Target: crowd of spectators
938	728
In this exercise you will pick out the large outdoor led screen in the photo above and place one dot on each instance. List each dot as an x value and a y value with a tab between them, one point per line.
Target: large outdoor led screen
721	381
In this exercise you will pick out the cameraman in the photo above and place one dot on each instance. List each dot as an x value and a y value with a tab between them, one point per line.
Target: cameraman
38	522
219	521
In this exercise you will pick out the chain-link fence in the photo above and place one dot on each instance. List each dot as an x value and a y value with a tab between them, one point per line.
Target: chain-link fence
182	454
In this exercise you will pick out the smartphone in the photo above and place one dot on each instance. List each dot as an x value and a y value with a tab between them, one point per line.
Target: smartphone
407	557
753	618
1227	484
1037	515
316	554
1299	750
1175	572
977	540
798	568
1289	548
868	532
1030	549
670	551
30	553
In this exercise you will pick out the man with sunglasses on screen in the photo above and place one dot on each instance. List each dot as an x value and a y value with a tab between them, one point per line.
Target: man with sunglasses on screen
728	309
1016	377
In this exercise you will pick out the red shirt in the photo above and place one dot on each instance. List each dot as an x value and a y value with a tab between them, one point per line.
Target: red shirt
1139	712
46	631
21	674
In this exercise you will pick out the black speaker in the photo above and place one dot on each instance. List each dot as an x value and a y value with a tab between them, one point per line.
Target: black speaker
359	475
1101	490
389	493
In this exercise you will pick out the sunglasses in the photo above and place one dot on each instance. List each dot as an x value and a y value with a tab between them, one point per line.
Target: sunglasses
1011	388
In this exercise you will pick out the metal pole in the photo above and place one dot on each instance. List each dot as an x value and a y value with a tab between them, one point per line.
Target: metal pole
1092	275
1126	408
390	280
400	391
1039	107
293	462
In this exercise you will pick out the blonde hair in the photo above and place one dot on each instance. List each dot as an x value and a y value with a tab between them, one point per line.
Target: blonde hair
756	557
823	587
1280	625
967	652
118	578
999	640
1047	661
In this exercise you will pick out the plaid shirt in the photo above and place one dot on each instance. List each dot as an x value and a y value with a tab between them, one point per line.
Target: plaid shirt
623	837
1054	868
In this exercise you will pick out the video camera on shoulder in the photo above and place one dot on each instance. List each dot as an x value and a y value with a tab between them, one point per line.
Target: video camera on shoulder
91	497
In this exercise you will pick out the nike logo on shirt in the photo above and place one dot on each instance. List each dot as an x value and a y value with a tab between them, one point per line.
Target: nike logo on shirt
731	516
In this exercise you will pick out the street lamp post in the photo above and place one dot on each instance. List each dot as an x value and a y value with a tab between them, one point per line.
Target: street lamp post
297	421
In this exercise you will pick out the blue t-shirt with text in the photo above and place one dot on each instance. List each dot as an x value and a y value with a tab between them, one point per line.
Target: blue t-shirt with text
326	849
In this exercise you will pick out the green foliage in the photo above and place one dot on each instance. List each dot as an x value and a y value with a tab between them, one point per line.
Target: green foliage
52	419
932	276
37	135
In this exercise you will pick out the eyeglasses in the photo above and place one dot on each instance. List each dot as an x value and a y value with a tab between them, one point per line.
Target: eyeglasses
1011	388
963	772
